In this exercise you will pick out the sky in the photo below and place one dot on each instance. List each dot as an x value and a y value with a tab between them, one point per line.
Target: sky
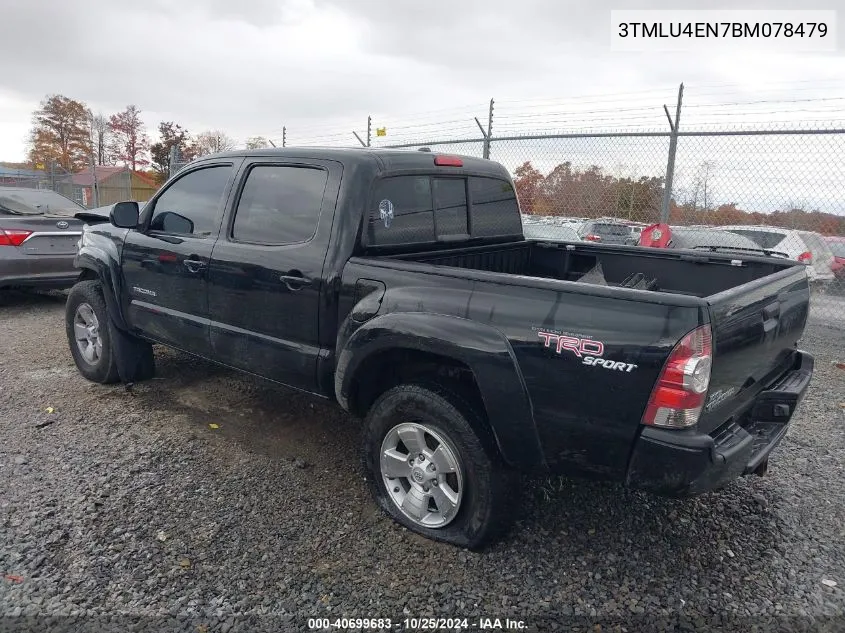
423	70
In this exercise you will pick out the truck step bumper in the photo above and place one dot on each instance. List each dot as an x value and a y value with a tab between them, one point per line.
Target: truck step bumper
686	463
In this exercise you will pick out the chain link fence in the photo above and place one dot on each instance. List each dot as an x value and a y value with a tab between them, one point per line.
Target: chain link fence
87	188
775	189
778	192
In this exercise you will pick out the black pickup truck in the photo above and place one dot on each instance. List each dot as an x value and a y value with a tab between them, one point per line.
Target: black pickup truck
399	284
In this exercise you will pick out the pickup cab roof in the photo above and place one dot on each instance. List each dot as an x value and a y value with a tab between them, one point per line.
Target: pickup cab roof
385	160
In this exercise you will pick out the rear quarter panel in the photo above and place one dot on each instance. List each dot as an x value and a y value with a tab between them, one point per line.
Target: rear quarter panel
586	415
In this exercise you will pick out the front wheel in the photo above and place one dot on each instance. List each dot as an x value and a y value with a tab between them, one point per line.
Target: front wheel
428	469
87	325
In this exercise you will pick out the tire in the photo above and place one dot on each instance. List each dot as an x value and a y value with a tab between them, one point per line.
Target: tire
100	366
484	485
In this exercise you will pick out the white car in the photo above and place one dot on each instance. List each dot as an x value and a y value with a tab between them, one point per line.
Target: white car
802	246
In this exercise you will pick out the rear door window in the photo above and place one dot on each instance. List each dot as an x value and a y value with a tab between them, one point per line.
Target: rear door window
279	205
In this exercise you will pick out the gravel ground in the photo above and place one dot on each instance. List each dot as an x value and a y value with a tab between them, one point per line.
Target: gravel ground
129	509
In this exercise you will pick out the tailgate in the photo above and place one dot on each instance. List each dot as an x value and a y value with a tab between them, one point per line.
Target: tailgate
44	235
756	328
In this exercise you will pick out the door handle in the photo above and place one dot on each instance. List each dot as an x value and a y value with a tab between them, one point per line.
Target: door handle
193	265
294	282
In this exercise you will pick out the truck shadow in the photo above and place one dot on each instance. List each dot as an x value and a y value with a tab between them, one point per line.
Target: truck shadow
601	533
18	298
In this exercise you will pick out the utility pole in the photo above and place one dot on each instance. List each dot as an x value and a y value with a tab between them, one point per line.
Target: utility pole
95	191
673	148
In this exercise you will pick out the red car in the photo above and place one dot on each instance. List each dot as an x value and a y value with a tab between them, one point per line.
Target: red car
837	247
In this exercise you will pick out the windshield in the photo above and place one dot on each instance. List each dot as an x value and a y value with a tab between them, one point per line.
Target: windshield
36	202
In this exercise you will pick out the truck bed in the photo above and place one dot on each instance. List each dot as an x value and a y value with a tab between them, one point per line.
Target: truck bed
676	272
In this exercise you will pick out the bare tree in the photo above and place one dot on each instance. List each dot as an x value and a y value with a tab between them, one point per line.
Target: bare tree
100	138
212	142
257	142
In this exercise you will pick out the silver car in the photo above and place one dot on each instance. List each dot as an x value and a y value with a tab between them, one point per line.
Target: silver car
38	238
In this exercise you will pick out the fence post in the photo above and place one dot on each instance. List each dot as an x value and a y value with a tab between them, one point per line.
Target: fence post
369	129
284	136
673	148
488	138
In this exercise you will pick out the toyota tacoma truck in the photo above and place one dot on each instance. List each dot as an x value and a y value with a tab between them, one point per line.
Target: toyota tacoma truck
399	285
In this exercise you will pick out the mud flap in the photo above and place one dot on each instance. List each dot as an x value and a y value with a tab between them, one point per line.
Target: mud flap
133	357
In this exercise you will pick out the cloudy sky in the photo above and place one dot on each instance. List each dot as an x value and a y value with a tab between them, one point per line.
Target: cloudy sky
319	67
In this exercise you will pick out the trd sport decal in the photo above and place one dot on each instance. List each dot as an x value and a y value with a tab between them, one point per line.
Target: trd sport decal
589	351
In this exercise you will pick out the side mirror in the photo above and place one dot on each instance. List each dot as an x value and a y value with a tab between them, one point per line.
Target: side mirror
170	222
124	215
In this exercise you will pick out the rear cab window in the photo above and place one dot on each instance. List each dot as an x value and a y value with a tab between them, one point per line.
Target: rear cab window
419	209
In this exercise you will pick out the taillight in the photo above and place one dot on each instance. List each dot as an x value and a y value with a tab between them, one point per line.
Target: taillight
13	237
678	396
806	257
592	238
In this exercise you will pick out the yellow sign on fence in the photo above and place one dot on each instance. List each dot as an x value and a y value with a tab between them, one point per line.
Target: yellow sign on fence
381	131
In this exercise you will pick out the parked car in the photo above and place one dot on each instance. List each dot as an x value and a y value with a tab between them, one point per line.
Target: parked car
606	232
551	232
400	285
837	247
698	238
804	246
38	238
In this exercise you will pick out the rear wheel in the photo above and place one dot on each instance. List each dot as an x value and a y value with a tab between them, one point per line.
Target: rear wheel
428	469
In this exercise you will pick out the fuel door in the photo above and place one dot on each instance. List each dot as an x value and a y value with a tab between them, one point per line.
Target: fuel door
368	296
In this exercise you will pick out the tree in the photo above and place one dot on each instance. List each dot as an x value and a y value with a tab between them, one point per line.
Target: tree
129	142
212	142
527	183
100	138
171	135
257	142
60	133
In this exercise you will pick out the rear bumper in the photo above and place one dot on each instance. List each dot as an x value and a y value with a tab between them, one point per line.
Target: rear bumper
43	271
686	463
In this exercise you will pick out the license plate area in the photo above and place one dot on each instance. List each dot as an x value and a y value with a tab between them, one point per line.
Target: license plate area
50	245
